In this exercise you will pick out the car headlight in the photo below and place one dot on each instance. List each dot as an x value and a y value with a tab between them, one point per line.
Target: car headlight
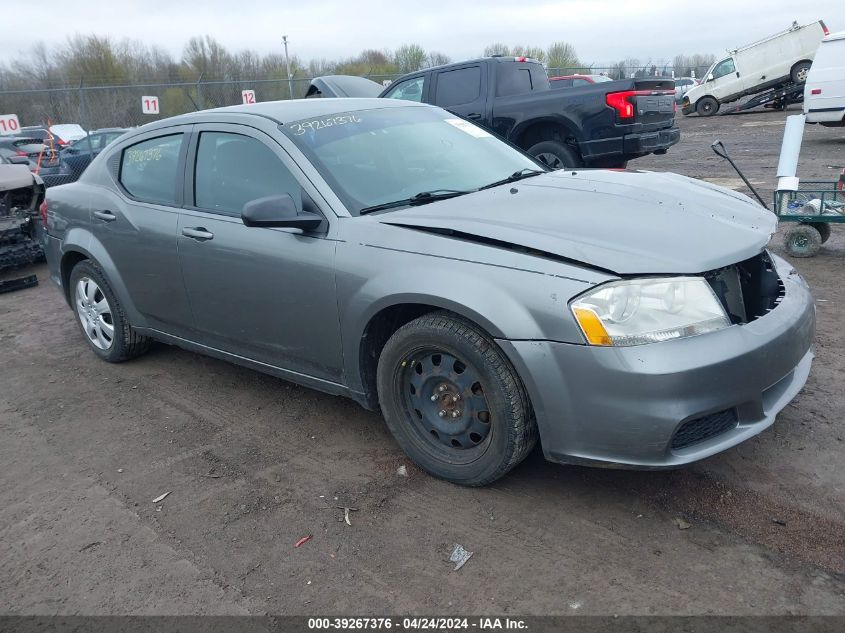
640	311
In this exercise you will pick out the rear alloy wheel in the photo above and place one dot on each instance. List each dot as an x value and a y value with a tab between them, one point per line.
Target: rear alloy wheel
453	401
556	155
101	317
799	72
802	241
707	106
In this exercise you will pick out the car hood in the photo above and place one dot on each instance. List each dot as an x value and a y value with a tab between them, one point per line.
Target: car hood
624	222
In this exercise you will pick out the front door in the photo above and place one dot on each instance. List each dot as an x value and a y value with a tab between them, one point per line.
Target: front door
266	294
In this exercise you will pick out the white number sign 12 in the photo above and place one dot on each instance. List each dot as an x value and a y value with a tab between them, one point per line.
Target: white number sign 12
248	96
149	105
9	123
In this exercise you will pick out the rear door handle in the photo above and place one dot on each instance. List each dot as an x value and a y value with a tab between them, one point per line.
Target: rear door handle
105	216
198	233
474	116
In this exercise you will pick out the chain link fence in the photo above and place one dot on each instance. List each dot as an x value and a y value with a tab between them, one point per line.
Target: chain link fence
96	109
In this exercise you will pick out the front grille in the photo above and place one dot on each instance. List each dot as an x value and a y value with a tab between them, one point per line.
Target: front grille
747	290
703	428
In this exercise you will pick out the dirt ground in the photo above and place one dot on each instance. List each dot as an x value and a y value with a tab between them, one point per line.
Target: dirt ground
253	464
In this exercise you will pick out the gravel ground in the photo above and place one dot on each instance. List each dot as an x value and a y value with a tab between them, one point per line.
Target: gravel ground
253	464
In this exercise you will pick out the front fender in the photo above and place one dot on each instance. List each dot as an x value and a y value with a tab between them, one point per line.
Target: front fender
507	302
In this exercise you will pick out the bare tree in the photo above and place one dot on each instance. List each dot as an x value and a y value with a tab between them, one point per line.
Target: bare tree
437	59
409	57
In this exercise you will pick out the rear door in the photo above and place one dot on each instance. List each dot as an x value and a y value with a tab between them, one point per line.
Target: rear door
462	91
136	224
267	294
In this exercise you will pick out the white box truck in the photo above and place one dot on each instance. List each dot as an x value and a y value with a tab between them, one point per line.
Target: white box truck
824	92
777	60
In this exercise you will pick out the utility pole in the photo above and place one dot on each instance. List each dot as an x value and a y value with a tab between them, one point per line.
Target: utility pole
287	62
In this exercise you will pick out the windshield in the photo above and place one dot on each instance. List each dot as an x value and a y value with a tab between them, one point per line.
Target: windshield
372	157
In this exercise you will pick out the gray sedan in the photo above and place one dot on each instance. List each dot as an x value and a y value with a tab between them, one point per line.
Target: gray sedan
395	254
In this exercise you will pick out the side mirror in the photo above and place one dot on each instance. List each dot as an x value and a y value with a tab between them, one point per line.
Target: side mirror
278	211
18	160
710	77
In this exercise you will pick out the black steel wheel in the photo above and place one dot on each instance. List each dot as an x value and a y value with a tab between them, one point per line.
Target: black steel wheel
453	401
707	106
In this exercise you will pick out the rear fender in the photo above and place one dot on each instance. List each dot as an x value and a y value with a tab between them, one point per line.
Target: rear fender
83	242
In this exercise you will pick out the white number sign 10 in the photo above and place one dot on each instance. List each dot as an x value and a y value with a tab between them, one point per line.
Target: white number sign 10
9	123
149	105
248	96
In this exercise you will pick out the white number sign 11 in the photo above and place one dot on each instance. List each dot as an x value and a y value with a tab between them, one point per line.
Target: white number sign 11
149	105
9	123
248	96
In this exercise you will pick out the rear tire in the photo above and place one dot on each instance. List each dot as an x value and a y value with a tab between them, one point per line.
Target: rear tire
799	72
556	155
453	401
101	317
707	106
822	227
803	241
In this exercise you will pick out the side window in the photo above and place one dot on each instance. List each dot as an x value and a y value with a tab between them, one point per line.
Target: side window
724	67
149	169
232	169
456	87
513	78
410	90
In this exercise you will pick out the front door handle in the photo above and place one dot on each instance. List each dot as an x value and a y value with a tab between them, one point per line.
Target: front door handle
198	233
105	216
474	116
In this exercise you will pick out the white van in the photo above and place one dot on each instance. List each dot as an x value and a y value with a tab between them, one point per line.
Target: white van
779	59
824	93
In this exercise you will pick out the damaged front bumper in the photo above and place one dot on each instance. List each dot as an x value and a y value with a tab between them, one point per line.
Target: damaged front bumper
671	403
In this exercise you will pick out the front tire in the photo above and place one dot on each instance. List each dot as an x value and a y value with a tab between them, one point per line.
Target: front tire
101	317
707	106
556	155
453	401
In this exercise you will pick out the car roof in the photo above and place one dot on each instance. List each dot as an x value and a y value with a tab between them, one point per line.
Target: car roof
291	110
347	85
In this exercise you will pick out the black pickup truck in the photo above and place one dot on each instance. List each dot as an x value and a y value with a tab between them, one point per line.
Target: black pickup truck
601	125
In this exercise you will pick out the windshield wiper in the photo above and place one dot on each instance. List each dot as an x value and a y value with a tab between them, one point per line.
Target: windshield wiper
423	197
517	175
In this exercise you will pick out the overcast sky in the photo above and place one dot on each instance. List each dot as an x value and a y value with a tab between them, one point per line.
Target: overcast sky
601	30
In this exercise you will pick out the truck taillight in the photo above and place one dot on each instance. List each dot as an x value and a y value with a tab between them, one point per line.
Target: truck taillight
824	28
42	209
619	101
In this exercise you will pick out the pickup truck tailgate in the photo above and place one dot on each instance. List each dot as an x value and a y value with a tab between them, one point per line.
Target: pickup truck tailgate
654	103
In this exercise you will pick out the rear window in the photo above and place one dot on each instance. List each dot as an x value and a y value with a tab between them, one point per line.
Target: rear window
149	169
515	78
456	87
